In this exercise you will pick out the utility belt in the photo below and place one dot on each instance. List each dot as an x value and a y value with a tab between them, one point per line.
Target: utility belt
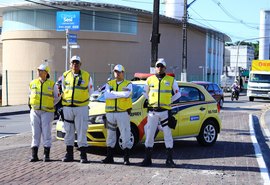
128	111
71	105
157	109
61	112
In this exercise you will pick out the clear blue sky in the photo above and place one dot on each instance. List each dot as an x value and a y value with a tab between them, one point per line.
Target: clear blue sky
239	19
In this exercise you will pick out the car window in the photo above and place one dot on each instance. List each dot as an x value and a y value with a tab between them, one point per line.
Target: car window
210	88
216	87
189	94
137	93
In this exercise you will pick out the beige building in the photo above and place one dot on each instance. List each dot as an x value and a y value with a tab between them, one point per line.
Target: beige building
109	34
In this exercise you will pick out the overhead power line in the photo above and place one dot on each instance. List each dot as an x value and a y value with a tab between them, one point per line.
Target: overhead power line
233	17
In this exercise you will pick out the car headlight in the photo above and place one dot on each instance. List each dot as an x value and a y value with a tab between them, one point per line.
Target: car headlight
99	119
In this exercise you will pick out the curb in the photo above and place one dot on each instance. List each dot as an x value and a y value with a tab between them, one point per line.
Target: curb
14	113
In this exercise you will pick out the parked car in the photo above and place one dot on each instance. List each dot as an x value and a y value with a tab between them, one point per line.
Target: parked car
196	113
214	90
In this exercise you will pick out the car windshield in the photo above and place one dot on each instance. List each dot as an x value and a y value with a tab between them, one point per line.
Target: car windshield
260	78
189	94
137	93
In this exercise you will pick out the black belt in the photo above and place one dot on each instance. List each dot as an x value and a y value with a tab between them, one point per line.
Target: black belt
156	109
71	106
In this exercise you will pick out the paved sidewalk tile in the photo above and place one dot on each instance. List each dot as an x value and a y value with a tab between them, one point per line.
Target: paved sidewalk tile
230	161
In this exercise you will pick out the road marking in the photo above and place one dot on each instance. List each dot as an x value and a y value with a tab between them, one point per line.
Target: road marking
258	152
1	137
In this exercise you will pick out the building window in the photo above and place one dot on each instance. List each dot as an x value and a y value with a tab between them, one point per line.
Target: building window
90	21
105	21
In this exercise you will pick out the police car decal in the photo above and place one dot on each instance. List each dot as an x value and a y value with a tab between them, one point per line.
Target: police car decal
194	118
179	107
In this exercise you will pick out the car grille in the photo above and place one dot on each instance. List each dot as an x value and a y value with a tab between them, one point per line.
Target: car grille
98	135
259	92
62	135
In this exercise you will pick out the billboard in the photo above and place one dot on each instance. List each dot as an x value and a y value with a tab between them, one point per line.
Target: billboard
68	20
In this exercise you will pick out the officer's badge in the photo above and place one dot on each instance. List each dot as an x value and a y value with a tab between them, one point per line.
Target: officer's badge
167	83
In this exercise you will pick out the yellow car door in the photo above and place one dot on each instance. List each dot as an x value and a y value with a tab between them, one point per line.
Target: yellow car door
191	109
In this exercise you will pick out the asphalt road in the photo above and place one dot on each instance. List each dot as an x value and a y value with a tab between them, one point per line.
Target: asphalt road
14	124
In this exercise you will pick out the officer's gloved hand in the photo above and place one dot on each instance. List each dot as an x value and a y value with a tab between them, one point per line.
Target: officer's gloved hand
29	106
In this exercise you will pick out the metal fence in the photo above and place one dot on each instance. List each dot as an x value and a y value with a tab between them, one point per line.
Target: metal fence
16	83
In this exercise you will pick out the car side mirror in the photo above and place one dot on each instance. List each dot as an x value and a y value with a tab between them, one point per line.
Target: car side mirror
145	104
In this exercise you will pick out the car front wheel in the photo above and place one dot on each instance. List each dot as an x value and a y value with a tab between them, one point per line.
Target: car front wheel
208	133
134	138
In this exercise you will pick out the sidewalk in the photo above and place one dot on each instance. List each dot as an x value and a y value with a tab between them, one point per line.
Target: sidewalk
13	109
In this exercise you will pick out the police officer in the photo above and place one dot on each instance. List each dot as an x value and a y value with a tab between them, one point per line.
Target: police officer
118	94
77	88
43	96
158	91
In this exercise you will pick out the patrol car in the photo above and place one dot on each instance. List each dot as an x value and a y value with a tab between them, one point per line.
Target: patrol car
196	112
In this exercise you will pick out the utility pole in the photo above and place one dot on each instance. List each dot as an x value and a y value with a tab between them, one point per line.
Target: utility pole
155	37
184	51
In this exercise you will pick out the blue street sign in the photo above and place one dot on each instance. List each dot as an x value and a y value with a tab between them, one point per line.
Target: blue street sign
72	38
68	20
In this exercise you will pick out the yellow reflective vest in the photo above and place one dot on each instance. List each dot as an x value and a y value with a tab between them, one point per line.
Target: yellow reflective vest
41	95
160	92
75	89
119	104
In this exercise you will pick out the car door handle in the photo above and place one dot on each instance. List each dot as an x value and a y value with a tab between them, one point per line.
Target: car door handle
202	108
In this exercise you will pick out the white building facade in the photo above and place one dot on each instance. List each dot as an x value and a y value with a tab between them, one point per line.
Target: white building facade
264	45
239	57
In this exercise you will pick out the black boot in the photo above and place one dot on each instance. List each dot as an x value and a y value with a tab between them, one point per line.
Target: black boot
109	158
34	157
69	155
83	155
126	157
169	161
46	157
147	161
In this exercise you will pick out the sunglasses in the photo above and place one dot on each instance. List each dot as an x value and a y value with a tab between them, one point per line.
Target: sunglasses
117	71
75	62
160	65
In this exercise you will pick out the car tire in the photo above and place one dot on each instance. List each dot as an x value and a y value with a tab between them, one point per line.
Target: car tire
208	134
251	98
134	138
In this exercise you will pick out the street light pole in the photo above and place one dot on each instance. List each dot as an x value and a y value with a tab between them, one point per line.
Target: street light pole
184	51
111	69
202	67
155	37
237	54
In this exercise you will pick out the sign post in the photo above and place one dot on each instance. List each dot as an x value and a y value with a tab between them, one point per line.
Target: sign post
66	21
67	49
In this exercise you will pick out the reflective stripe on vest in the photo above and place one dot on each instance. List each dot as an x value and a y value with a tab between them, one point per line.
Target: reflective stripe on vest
41	97
75	89
119	104
160	92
